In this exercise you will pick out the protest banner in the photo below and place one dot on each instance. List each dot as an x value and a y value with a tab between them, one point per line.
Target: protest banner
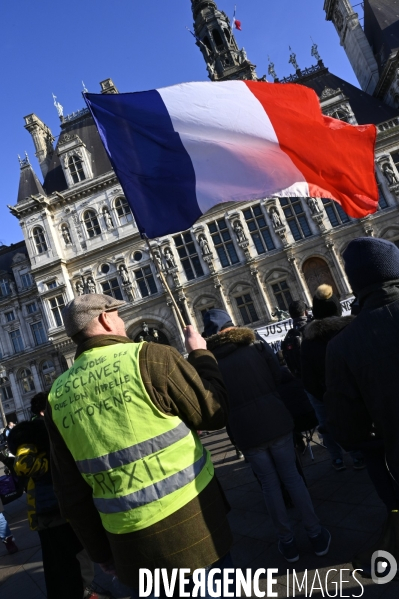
275	332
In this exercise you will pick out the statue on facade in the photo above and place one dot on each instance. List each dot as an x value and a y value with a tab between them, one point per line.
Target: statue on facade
91	286
239	231
203	243
13	288
276	219
146	328
389	173
66	235
124	274
79	288
314	205
108	220
170	261
280	314
158	260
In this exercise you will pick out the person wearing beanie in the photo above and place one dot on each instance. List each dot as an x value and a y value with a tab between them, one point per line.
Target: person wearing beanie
129	470
262	427
328	322
362	376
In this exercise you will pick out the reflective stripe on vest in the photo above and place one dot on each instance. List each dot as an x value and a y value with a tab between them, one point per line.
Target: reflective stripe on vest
153	492
142	464
134	452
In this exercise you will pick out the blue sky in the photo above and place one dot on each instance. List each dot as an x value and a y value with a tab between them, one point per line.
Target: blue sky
50	47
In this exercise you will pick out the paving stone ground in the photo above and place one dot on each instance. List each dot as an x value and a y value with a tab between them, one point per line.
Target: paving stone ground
345	502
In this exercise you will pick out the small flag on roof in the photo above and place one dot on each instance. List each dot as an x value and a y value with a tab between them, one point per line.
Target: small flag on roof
178	151
236	23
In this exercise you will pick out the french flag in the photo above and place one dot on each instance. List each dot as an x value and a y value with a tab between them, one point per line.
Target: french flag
178	151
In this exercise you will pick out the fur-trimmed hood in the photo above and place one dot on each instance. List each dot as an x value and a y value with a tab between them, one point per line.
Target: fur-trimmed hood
235	336
325	328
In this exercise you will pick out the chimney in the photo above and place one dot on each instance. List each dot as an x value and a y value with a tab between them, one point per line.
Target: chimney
108	87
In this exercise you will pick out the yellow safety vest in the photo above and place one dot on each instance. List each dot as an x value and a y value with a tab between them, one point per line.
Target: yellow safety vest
142	464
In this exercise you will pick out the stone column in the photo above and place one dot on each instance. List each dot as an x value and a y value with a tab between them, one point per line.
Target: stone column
255	273
337	263
298	276
218	285
18	401
36	378
26	336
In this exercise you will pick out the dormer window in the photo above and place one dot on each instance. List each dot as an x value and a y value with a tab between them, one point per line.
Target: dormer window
40	240
76	168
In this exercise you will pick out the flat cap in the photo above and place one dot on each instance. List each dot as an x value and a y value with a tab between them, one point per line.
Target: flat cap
83	309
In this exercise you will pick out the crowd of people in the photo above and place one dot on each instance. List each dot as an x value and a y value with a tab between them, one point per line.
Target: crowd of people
116	473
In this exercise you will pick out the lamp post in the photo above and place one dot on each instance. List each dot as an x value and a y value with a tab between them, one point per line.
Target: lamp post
3	374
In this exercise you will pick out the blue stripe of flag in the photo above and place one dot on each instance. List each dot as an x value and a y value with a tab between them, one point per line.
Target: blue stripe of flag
149	159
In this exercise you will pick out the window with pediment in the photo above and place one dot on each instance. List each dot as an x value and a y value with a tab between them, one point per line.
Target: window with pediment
75	165
92	225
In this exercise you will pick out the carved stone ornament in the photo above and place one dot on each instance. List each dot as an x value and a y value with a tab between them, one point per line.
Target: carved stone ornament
318	219
239	231
66	234
79	288
313	205
327	92
77	152
204	245
124	275
108	220
275	218
169	259
389	173
338	19
91	286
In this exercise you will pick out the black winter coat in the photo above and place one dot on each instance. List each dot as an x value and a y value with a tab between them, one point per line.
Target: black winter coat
251	374
362	373
316	336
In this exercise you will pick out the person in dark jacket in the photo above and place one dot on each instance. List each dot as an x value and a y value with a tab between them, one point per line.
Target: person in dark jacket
262	426
291	344
328	322
362	370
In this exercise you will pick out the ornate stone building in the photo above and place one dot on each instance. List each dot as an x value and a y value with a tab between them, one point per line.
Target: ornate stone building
248	258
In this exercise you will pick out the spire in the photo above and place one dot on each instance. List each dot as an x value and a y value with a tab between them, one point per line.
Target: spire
42	139
224	60
29	184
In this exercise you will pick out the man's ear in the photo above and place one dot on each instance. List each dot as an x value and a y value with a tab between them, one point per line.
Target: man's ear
105	321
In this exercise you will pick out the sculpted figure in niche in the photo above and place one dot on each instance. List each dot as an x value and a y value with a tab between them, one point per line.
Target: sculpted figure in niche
66	235
275	218
13	288
314	206
239	231
79	288
389	173
108	220
170	261
124	274
158	259
204	245
91	286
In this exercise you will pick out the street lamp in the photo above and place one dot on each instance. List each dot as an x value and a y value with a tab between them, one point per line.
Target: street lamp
3	374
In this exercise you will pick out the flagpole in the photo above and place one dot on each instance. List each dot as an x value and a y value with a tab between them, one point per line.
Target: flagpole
164	281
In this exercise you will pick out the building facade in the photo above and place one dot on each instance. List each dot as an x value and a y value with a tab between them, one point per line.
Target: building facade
251	258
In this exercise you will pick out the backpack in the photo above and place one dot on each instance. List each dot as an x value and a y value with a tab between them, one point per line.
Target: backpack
291	348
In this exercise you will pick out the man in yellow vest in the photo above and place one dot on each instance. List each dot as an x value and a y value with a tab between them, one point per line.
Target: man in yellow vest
129	470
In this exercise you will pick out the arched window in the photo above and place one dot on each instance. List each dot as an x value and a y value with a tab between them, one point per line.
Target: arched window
92	225
4	288
76	169
207	43
123	210
40	240
218	39
48	372
26	380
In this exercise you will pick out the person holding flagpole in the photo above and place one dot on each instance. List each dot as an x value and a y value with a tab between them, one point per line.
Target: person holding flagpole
129	469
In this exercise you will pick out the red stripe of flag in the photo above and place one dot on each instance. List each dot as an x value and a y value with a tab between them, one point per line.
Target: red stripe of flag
336	159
